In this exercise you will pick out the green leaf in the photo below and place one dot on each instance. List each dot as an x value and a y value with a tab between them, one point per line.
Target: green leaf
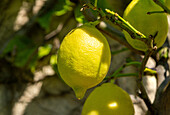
62	7
44	50
22	48
33	63
23	56
163	53
18	43
65	6
78	15
44	20
53	60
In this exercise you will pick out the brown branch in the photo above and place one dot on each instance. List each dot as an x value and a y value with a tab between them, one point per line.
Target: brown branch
162	98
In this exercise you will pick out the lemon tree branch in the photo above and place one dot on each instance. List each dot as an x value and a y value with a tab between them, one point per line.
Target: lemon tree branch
135	34
118	20
114	18
108	29
117	35
122	23
144	61
143	93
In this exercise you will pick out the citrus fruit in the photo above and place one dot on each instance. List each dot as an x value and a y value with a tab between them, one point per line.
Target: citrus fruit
168	3
108	99
148	24
83	59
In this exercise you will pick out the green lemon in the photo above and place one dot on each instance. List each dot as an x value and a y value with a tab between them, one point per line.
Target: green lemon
148	24
108	99
168	3
83	59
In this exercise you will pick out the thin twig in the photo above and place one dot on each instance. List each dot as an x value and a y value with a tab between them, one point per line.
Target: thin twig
118	36
144	61
119	51
126	75
118	20
117	74
113	33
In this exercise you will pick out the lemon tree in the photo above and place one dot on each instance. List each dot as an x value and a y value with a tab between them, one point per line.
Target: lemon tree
108	99
83	59
136	15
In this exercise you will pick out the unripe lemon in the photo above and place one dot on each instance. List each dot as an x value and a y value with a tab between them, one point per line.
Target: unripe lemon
148	24
168	3
83	59
108	99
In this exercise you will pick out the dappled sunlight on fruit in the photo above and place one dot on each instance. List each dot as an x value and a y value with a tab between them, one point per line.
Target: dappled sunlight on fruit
113	105
94	112
108	99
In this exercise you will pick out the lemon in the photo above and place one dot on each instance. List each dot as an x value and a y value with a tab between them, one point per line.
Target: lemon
108	99
83	59
168	3
136	15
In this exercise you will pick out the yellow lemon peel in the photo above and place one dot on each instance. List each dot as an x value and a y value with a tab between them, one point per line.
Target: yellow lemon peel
83	59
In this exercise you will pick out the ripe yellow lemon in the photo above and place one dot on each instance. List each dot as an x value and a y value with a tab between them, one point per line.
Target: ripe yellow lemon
148	24
108	99
83	59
